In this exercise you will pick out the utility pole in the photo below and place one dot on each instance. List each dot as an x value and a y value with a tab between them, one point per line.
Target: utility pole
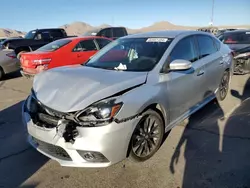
212	17
113	21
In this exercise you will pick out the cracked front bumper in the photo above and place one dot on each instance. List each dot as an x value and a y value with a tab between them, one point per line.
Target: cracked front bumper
111	141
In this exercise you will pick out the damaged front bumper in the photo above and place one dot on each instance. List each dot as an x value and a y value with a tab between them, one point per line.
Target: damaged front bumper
92	147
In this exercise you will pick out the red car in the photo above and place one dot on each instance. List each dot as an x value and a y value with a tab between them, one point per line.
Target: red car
67	51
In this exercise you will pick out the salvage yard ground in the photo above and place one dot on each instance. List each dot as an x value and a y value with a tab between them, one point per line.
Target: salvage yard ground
211	149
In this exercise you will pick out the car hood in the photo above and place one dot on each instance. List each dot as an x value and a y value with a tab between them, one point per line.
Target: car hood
68	89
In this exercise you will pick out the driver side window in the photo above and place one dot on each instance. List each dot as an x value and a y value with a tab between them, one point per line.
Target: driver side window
185	49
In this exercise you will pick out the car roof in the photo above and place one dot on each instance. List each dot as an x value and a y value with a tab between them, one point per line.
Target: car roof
165	34
84	37
45	29
238	31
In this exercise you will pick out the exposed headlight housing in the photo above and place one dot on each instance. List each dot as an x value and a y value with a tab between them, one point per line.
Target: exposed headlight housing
99	113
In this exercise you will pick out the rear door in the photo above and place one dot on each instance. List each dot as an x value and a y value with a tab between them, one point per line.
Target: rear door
83	51
212	59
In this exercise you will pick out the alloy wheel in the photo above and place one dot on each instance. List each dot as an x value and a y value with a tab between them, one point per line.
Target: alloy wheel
223	89
147	137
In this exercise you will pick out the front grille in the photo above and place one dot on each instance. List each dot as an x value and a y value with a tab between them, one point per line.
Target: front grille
43	116
52	150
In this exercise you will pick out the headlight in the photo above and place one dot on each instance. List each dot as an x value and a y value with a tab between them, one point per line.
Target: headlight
30	104
99	112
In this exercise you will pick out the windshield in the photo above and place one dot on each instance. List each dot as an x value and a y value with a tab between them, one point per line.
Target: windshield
130	54
53	46
30	35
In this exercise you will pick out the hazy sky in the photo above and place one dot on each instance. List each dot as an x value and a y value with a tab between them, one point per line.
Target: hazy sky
31	14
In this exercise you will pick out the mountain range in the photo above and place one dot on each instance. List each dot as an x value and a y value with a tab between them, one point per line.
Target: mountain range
78	28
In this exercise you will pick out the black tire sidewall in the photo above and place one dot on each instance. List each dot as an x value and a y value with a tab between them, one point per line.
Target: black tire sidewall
134	157
219	97
1	73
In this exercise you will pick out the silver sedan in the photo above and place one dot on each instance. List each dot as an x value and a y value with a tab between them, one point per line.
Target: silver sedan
8	62
126	97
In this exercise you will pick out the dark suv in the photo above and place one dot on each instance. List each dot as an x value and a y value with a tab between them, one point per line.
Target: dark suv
34	40
109	32
236	40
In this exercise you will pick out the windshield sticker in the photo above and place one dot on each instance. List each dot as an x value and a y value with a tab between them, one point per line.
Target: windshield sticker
121	67
93	33
156	40
33	31
248	33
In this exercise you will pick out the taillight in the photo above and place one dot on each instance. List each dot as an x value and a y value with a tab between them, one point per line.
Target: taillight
41	61
11	55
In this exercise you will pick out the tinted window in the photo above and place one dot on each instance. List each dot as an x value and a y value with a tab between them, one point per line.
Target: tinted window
217	43
206	45
106	33
78	48
88	45
102	42
184	49
118	32
237	38
43	35
30	35
54	45
56	33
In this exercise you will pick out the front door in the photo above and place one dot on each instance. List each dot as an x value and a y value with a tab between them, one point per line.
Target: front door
185	88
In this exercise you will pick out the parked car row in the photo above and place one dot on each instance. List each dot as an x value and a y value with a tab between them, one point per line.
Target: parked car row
42	49
68	51
239	42
122	101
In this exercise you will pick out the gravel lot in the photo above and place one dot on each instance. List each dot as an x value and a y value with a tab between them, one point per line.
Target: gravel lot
211	149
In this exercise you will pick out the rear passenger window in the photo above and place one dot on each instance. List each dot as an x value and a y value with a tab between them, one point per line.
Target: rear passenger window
217	44
106	33
118	32
184	49
102	42
206	45
88	45
56	34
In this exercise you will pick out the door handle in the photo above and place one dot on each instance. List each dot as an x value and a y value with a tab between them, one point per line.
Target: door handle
78	55
201	72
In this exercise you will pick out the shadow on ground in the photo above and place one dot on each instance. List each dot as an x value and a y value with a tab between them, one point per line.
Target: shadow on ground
216	152
18	161
12	75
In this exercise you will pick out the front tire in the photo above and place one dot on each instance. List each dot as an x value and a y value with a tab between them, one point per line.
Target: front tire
224	86
147	136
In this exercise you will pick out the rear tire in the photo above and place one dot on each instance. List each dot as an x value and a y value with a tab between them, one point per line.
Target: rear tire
1	73
147	136
224	86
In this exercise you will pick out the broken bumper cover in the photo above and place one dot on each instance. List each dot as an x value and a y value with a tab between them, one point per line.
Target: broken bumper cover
107	145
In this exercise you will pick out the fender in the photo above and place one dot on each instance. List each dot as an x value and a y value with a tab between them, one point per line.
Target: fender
138	99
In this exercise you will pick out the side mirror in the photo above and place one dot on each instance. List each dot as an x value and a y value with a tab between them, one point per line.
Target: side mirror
180	64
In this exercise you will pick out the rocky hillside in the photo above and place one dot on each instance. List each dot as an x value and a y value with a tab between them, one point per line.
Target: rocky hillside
10	33
78	28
